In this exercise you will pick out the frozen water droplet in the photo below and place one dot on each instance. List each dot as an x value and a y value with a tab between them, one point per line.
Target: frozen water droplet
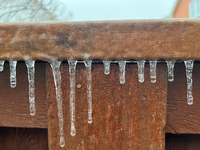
189	69
106	67
153	70
170	66
55	65
62	141
13	65
1	65
72	72
88	65
30	64
122	66
141	70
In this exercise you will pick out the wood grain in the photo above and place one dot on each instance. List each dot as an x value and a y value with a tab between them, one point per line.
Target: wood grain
23	139
121	119
14	108
115	40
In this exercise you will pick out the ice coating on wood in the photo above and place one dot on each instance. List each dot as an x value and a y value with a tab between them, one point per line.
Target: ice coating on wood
88	65
189	69
106	67
72	72
153	70
122	66
30	64
55	65
141	70
1	65
170	66
13	80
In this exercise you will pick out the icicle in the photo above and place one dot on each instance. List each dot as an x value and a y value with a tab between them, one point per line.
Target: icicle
30	64
189	68
141	70
106	67
55	65
122	66
170	66
13	65
72	71
153	70
88	65
1	65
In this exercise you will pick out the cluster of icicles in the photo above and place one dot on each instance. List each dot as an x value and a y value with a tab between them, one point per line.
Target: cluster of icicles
55	65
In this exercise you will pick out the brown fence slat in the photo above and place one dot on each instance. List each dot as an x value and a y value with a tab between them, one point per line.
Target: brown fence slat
131	39
122	117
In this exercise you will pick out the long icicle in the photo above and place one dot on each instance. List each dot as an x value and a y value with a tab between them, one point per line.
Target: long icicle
30	64
72	72
55	65
88	65
141	70
122	66
153	65
106	67
13	65
1	65
189	69
170	66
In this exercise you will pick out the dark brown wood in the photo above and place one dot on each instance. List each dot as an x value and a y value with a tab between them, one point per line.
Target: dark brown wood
122	119
181	117
114	40
182	141
23	139
14	107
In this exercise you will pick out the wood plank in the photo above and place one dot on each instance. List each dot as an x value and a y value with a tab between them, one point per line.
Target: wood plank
115	40
15	101
15	109
121	119
23	139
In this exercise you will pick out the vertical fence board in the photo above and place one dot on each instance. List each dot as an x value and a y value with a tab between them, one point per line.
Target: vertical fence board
122	117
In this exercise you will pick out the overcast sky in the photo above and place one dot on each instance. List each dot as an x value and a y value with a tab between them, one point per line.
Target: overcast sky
119	9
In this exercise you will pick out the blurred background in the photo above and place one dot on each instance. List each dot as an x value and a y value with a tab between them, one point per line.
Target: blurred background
83	10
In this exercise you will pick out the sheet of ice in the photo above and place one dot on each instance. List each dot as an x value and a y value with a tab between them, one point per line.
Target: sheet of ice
141	64
189	69
55	65
122	66
13	80
106	67
170	66
88	65
1	65
153	65
30	64
72	72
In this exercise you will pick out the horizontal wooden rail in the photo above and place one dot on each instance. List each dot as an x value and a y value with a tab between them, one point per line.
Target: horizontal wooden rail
113	40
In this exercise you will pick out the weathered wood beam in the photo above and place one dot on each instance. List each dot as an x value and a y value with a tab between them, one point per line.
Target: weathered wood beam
129	116
115	40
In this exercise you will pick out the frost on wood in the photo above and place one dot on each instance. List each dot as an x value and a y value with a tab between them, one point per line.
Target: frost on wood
106	67
88	65
30	64
170	66
1	65
189	68
122	66
72	72
13	73
141	70
153	70
55	65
